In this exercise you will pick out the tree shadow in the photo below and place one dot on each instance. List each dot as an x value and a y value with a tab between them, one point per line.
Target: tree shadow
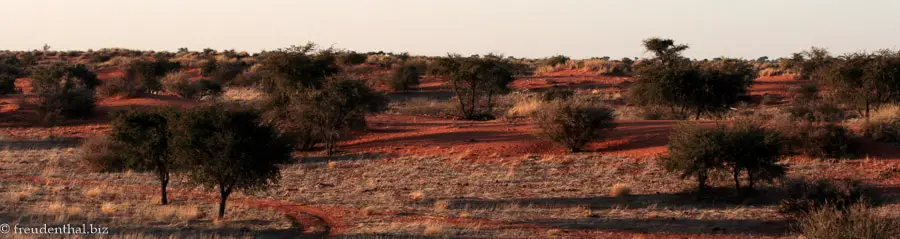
726	227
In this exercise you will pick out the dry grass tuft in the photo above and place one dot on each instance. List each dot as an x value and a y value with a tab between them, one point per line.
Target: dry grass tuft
367	211
417	196
94	193
108	208
23	193
441	206
554	233
620	190
433	229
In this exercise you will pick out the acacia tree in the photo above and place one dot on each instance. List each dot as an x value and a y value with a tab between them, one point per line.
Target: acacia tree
475	81
745	148
295	67
672	81
228	149
755	150
808	62
145	136
694	151
866	80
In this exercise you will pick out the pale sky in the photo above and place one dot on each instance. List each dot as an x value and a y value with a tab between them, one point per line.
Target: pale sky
522	28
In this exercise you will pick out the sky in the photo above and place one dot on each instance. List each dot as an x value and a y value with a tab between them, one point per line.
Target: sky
521	28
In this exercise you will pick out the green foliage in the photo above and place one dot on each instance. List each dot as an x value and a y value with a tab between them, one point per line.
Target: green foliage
316	116
228	149
404	77
476	81
573	122
866	81
556	60
296	67
674	82
179	83
226	72
144	136
694	152
119	86
809	62
349	58
64	91
755	150
746	148
10	70
147	73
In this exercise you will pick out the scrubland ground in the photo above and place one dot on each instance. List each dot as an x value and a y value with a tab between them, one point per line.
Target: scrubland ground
412	176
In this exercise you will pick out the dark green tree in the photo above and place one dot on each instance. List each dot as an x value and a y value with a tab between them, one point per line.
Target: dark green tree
144	135
228	149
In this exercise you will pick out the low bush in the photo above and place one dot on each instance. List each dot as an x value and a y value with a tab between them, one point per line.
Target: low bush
178	83
9	72
802	196
859	221
119	86
821	140
883	125
98	154
573	122
64	91
404	77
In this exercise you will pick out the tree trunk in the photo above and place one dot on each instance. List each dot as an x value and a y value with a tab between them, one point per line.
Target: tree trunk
701	187
698	114
222	199
736	174
162	187
163	175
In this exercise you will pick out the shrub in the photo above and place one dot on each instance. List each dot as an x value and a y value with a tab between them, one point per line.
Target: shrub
206	88
145	136
816	111
802	196
745	147
178	83
556	60
226	72
693	152
573	123
228	149
319	115
884	126
98	154
620	190
64	91
9	72
826	140
404	77
296	67
119	86
350	58
147	73
859	221
208	67
61	77
755	150
671	80
865	81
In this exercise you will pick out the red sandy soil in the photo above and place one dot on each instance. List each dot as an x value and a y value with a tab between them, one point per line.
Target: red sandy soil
495	140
